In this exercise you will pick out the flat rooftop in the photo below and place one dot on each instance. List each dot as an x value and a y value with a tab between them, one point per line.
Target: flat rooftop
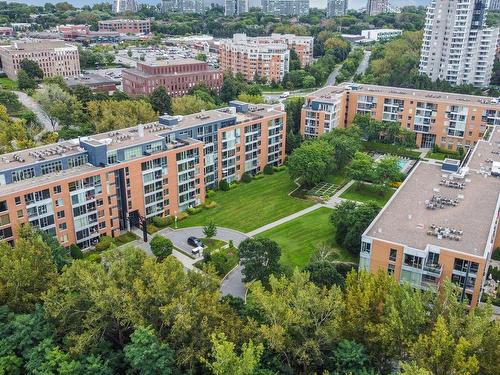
403	93
405	219
90	79
36	45
171	62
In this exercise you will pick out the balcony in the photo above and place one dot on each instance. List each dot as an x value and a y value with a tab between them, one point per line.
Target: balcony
433	269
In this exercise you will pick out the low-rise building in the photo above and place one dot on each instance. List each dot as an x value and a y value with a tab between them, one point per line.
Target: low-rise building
447	120
126	26
6	32
95	82
441	224
177	76
80	189
380	35
55	57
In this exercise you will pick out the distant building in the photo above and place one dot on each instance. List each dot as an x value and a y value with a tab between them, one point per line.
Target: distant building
95	82
286	7
6	32
380	35
458	47
55	57
235	7
374	7
177	76
495	5
183	6
122	6
126	26
336	8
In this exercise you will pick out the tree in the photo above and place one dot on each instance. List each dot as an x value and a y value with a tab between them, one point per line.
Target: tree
259	258
26	271
350	357
293	108
188	104
294	60
324	274
268	169
201	57
14	134
311	162
210	230
161	101
361	167
247	98
387	170
227	362
147	355
231	88
224	185
25	82
31	68
161	247
293	141
113	115
9	100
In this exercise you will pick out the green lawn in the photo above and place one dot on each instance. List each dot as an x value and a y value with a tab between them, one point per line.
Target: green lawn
8	84
440	156
252	205
338	178
299	238
365	193
212	244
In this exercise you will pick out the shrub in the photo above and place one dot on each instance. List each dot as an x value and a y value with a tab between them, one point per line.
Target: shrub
194	210
246	178
104	243
161	247
224	185
182	215
268	169
75	252
151	229
210	204
211	193
279	168
162	222
93	257
234	185
258	176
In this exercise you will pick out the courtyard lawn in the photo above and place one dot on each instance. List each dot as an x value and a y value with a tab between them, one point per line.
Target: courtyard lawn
7	84
300	237
251	205
440	156
362	192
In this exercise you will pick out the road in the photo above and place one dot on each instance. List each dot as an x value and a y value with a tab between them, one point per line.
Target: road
330	81
32	105
363	65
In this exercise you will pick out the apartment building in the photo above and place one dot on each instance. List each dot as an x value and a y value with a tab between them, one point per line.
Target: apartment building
126	26
80	189
235	7
457	46
183	6
177	76
448	120
495	5
285	7
441	224
374	7
122	6
336	8
55	57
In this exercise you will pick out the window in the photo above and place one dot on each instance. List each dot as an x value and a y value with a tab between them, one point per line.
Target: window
132	153
51	167
78	160
390	269
393	255
57	189
60	214
59	202
20	213
62	226
4	219
23	174
18	201
3	206
112	157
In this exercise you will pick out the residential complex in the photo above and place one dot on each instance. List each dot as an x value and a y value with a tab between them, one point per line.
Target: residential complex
183	6
235	7
374	7
55	57
265	56
444	119
286	7
495	5
380	35
441	224
122	6
80	189
177	76
6	32
126	26
336	8
457	46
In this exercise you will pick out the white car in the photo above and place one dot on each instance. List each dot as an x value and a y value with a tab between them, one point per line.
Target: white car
285	95
197	250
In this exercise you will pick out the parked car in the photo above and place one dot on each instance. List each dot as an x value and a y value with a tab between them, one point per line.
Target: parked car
197	250
285	95
195	242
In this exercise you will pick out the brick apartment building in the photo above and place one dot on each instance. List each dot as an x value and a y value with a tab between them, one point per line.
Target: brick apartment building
126	26
303	45
55	57
441	224
80	189
177	76
6	32
444	119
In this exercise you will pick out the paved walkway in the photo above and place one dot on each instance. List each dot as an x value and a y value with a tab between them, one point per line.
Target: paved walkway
31	104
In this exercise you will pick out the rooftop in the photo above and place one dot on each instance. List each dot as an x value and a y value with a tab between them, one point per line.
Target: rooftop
89	79
406	219
172	62
37	45
330	92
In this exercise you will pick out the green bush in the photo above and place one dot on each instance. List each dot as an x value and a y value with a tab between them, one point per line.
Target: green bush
93	257
162	222
182	216
268	169
75	252
210	204
104	243
124	238
279	168
258	176
224	185
211	193
496	254
194	210
234	185
151	229
246	178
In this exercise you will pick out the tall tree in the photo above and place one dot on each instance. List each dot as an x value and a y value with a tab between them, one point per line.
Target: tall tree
25	82
161	101
31	68
311	162
259	258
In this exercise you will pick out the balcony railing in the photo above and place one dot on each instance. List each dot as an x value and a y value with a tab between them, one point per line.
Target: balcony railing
434	269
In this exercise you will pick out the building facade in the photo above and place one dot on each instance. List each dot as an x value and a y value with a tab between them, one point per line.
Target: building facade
457	46
126	26
495	5
425	234
177	76
55	57
374	7
122	6
183	6
381	35
285	7
80	189
447	120
235	7
336	8
6	32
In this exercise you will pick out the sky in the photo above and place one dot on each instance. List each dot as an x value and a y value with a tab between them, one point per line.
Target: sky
353	4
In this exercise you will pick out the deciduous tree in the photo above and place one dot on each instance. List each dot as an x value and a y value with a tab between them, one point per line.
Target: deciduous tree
259	258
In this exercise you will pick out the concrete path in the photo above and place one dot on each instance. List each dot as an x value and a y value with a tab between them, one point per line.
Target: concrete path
363	65
330	81
32	105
